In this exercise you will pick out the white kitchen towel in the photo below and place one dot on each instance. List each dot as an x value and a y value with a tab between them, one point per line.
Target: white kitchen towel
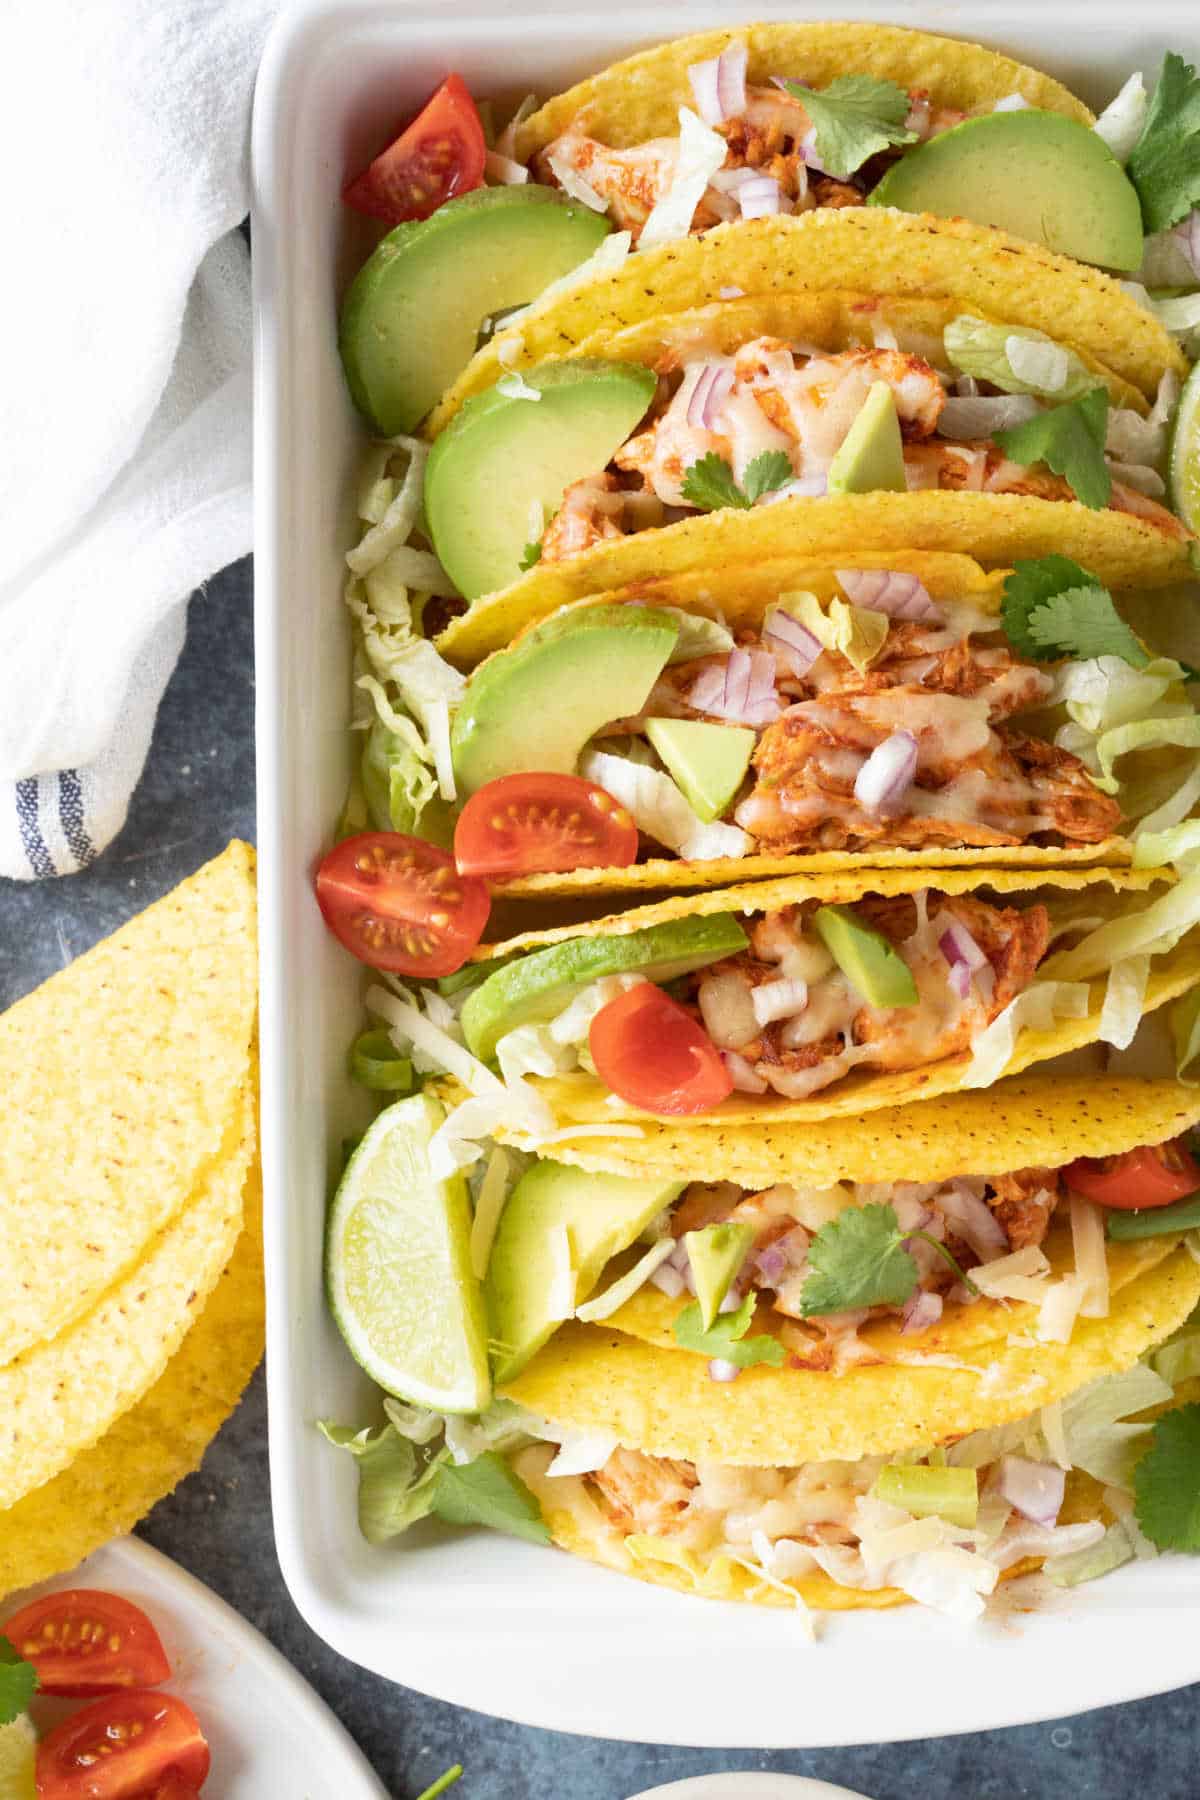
125	448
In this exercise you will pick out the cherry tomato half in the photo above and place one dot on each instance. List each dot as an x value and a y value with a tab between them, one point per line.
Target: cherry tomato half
171	1787
119	1747
439	155
523	824
1139	1179
399	903
651	1051
84	1642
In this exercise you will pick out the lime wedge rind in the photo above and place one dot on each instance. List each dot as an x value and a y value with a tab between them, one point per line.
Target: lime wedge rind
1185	453
398	1268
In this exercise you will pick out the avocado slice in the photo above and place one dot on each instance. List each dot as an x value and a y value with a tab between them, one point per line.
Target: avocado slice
411	319
871	455
603	1214
716	1254
1035	174
539	986
708	762
866	958
535	705
504	454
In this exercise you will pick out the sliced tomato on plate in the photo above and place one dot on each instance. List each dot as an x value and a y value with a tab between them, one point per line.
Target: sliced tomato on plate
1138	1179
653	1053
399	903
83	1641
119	1747
534	823
440	154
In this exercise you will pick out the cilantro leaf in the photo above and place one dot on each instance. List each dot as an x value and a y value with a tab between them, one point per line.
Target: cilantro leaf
487	1492
1167	1482
1052	608
531	554
853	118
709	484
1164	165
858	1259
726	1337
766	472
1070	440
18	1683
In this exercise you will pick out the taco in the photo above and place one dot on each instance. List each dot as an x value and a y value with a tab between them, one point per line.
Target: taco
739	429
754	720
809	998
613	141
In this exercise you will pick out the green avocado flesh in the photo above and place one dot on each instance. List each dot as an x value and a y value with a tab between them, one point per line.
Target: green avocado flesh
716	1254
603	1214
411	319
539	986
707	762
505	455
870	458
535	706
1034	174
865	957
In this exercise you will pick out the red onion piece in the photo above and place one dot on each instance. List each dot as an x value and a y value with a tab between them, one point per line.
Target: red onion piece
1187	233
770	1264
713	387
747	693
972	1219
743	1075
892	592
1035	1489
708	689
760	198
720	1370
720	85
887	774
963	954
667	1280
921	1311
792	641
808	149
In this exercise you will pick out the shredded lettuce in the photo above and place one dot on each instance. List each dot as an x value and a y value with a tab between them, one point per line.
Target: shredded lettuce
698	635
395	1488
1116	1547
702	152
855	632
1179	845
1098	1439
1120	124
977	348
1152	931
1124	996
660	810
1034	1010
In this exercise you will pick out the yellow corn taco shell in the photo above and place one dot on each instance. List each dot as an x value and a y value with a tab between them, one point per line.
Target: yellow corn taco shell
580	1100
640	96
1026	1121
663	1402
856	250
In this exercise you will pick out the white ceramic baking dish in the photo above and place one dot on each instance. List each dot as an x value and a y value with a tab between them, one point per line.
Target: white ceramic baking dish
476	1618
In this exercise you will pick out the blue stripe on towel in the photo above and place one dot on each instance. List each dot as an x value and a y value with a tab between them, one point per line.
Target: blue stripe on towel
29	828
70	813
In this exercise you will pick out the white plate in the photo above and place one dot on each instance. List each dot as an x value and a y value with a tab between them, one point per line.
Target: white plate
749	1787
484	1621
268	1732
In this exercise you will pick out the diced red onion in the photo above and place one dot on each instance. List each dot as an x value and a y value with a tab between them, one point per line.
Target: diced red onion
1187	234
921	1311
708	689
1035	1489
742	1073
747	693
918	117
732	1299
770	1264
712	389
760	198
963	954
720	85
668	1281
888	773
792	641
972	1219
720	1370
890	591
778	1000
728	181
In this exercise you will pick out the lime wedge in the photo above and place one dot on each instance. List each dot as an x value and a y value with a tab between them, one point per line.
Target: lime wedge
18	1748
398	1267
1185	453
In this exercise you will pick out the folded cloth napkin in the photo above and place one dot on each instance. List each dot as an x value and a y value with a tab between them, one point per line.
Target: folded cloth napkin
125	452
